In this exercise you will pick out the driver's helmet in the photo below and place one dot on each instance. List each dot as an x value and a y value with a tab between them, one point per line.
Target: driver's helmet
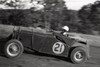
66	28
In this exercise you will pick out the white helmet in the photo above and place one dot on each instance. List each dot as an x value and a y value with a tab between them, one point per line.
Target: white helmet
66	28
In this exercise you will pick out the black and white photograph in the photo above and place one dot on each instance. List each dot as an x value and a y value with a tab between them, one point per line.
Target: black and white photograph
49	33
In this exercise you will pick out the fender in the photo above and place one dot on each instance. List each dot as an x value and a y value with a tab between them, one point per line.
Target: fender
81	44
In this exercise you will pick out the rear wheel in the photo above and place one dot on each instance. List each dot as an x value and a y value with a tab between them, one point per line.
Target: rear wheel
13	48
78	55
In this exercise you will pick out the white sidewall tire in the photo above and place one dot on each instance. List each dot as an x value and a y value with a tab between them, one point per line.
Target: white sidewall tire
81	52
17	46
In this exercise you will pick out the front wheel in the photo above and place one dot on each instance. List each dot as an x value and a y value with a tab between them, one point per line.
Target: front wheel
13	48
78	55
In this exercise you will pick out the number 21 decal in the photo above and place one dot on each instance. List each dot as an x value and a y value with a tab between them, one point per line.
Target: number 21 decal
58	48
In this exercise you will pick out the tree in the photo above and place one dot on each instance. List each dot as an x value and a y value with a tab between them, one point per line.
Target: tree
90	16
52	12
54	15
95	13
21	4
85	13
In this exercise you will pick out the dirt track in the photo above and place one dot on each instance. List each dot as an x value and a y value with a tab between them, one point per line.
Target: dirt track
29	59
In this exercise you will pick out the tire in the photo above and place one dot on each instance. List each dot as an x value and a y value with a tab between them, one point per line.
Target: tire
78	55
13	48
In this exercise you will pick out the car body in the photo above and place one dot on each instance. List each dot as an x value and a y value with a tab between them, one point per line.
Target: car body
42	41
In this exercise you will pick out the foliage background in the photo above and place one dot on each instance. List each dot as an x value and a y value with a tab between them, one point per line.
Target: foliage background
53	15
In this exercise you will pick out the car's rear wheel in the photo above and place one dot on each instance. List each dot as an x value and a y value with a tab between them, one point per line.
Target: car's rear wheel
13	48
78	55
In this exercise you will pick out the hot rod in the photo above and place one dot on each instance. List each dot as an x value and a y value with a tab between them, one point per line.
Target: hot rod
46	42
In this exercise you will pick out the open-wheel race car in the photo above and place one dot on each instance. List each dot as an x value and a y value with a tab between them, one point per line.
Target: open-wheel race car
52	43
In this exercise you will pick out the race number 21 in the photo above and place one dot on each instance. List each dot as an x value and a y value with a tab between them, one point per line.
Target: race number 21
58	48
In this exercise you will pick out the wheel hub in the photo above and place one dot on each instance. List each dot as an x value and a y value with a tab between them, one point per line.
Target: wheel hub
13	49
78	56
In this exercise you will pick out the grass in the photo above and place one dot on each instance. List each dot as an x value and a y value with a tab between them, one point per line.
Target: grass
93	40
5	30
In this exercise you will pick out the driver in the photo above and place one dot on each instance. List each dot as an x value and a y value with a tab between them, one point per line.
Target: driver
65	30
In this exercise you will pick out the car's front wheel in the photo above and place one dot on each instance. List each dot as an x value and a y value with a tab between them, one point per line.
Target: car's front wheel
13	48
78	55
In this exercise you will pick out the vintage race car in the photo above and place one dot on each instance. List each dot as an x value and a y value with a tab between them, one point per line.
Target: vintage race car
52	43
